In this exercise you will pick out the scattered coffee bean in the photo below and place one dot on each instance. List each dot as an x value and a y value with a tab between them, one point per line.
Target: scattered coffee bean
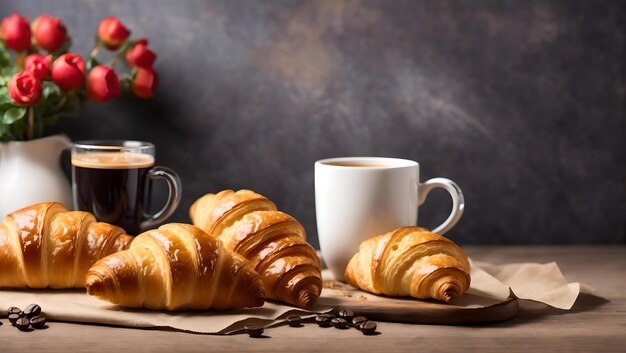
13	318
22	324
294	321
358	321
254	331
323	321
14	310
368	327
345	314
38	321
339	323
32	310
328	315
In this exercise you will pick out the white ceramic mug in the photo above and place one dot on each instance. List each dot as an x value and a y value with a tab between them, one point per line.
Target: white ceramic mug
357	198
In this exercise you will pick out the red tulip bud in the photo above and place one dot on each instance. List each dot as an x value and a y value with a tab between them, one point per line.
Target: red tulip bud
68	71
16	32
140	56
49	32
25	88
38	64
102	84
112	32
144	83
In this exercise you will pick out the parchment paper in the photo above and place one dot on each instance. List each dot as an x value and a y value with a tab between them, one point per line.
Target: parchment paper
490	285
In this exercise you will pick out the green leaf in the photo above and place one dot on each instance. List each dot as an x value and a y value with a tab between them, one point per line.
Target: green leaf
4	97
51	119
50	90
8	71
13	114
127	45
91	63
5	57
18	131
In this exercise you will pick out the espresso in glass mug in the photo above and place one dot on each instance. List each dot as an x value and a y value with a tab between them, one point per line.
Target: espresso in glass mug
110	180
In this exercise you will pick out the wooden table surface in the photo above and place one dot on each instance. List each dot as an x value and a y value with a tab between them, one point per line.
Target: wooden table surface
595	323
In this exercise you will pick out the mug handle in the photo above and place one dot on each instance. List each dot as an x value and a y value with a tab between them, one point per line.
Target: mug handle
458	201
175	190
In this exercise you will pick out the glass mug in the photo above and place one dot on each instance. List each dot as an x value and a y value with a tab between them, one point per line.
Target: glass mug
110	179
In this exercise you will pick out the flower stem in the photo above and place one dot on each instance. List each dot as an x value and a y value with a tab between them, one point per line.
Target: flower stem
19	60
31	123
113	62
95	50
61	102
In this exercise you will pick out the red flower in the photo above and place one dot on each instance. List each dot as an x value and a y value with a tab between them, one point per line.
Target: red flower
16	32
38	64
49	32
112	32
144	83
140	56
25	88
68	71
102	84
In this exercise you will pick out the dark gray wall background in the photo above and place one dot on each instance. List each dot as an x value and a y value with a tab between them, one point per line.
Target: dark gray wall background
520	102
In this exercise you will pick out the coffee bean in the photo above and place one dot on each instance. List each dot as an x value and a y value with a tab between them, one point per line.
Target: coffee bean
13	318
328	315
368	327
14	310
294	321
32	310
339	323
358	321
254	331
38	321
22	324
345	314
323	321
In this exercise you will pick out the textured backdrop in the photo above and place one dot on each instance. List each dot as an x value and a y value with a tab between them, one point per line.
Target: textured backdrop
521	102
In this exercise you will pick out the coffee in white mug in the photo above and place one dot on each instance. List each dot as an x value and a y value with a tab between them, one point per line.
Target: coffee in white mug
357	198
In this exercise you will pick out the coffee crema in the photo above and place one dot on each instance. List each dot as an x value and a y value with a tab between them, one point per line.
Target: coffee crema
356	164
112	160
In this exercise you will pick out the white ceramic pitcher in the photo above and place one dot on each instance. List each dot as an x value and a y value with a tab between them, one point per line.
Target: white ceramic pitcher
30	172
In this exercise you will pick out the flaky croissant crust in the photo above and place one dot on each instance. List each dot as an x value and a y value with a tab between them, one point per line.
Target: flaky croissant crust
410	261
273	241
45	245
176	266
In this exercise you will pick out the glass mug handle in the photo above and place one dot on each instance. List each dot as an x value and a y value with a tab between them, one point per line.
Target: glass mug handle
458	201
175	192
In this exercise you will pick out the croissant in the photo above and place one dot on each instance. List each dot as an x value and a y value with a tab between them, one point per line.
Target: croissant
410	261
176	266
44	245
273	242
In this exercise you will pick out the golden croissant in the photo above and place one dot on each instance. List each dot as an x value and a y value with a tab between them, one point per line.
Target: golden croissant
176	266
44	245
410	261
274	242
